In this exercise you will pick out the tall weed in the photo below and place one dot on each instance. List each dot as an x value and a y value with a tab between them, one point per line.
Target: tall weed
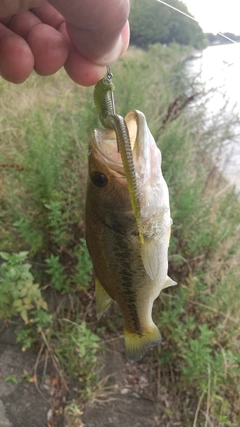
200	321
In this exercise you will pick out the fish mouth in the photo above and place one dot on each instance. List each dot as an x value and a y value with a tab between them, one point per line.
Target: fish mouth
105	143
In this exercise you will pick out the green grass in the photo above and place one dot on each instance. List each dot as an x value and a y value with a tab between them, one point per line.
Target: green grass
45	127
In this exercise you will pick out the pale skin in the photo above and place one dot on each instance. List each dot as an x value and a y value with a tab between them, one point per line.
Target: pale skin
82	35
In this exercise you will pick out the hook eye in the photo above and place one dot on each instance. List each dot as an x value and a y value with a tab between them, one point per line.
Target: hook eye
109	77
109	73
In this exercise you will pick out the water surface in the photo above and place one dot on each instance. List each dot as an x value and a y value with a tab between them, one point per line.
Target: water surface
218	68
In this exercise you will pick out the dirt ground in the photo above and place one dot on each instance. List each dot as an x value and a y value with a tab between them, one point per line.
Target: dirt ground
32	395
21	404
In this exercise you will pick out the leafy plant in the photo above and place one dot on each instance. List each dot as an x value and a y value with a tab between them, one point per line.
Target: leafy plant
76	347
11	378
18	292
55	269
84	266
19	295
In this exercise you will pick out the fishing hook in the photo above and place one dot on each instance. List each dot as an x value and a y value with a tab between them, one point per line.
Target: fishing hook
109	77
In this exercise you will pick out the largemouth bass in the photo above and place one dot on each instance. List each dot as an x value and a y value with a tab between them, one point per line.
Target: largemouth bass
126	270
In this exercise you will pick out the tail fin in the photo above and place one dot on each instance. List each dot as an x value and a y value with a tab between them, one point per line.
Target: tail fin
136	345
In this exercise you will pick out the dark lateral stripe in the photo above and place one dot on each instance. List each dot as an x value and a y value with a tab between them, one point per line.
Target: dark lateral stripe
124	257
130	297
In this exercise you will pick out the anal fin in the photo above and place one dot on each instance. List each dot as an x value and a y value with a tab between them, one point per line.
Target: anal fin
169	282
103	299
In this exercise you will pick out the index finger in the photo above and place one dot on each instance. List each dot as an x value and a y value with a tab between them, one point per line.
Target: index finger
10	8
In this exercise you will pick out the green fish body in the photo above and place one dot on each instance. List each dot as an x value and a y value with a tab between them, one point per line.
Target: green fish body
127	270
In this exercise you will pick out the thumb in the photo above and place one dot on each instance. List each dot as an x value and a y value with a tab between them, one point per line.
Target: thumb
98	29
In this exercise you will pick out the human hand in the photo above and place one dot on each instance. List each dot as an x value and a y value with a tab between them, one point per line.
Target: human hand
82	35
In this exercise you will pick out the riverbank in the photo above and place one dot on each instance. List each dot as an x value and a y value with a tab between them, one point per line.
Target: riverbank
43	170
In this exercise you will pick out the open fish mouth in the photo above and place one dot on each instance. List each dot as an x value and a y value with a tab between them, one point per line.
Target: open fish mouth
105	143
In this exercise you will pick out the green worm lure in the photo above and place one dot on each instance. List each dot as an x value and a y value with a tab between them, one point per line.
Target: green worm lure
103	99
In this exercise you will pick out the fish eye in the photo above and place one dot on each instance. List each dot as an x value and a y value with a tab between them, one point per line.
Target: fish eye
99	179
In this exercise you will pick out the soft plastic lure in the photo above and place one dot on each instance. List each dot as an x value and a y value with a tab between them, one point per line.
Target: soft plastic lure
103	99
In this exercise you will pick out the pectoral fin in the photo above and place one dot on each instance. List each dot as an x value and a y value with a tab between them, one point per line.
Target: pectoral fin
103	300
151	257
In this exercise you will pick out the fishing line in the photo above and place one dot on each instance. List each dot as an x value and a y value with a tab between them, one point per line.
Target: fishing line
191	17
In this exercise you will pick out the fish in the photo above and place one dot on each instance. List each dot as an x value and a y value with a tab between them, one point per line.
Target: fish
127	270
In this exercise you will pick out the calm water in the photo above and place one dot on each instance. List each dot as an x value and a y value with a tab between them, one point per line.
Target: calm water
219	67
